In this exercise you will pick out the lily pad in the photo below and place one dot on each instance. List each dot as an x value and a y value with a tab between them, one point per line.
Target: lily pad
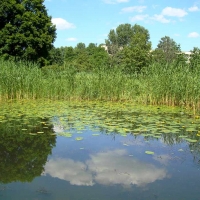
79	138
191	140
182	136
149	152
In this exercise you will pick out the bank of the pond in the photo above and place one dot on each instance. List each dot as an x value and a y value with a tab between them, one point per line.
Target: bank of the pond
157	85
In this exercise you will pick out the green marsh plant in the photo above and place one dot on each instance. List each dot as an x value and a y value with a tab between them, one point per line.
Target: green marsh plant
158	84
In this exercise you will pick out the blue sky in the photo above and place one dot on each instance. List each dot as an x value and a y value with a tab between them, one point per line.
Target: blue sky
89	21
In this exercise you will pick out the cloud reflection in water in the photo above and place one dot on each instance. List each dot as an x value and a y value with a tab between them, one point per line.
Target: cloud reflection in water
107	168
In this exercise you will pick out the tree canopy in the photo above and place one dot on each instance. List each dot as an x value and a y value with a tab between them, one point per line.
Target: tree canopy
167	50
195	58
26	30
122	36
129	46
136	55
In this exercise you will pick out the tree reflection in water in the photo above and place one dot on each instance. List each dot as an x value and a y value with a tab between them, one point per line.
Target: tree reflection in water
23	156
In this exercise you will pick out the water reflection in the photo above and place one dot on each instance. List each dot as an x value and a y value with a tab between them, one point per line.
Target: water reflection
67	169
23	156
106	168
164	159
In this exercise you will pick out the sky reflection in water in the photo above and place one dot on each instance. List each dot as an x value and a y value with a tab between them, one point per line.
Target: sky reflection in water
107	168
102	166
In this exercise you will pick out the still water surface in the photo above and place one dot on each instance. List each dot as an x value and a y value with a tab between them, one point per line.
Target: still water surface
94	152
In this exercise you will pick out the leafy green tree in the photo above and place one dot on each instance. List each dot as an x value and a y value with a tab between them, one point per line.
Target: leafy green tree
91	48
26	30
80	46
56	56
120	44
136	55
69	55
98	56
195	58
121	37
167	51
81	61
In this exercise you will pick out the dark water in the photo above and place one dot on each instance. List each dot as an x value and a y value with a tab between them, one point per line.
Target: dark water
99	166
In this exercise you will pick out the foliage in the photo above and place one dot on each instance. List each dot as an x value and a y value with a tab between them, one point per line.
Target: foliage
82	58
195	58
129	46
122	36
136	55
56	56
26	30
98	56
81	61
167	51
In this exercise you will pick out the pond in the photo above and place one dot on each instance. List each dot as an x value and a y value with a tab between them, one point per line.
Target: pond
98	151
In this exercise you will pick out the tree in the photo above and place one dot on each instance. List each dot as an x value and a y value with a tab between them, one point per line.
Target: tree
129	46
26	30
195	58
56	56
91	48
80	46
81	61
122	36
69	55
167	50
98	57
136	55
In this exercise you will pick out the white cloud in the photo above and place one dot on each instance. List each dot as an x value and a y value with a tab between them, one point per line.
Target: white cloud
139	18
193	9
160	18
62	24
72	39
115	1
193	35
133	9
174	12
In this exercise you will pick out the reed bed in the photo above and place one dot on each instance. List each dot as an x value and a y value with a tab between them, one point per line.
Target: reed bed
160	85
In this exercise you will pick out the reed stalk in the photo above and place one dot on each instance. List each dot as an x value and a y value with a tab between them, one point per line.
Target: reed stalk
160	85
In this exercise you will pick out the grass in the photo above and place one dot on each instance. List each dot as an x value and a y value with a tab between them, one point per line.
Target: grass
160	85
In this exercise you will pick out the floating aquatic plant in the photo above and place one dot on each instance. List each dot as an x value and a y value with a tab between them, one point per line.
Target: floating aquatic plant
79	138
149	152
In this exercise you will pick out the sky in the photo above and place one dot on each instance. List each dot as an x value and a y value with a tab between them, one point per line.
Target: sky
90	21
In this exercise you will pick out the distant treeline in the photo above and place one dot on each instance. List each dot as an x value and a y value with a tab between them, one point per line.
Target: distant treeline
92	57
128	48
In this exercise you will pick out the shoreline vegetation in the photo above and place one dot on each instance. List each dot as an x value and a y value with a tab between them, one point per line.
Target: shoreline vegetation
124	68
157	84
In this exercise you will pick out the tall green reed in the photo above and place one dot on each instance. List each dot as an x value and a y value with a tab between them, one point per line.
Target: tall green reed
157	84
